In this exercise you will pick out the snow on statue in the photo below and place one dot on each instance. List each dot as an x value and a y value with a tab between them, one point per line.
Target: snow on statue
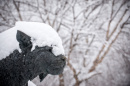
27	50
41	35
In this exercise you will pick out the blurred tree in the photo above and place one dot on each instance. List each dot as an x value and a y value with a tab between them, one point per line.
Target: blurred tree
95	36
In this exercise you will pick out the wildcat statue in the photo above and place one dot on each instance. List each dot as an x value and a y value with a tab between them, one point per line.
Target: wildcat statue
29	58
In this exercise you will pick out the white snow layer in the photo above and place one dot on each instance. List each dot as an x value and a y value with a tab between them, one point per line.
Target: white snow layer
41	35
30	83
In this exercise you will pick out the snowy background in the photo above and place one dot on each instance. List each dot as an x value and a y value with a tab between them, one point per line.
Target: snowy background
95	35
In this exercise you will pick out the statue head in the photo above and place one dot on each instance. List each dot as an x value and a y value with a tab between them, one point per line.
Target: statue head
43	58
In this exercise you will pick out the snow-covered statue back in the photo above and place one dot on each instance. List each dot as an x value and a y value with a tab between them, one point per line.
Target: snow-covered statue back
27	50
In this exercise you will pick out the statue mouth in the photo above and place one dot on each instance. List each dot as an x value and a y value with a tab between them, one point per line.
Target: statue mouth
57	66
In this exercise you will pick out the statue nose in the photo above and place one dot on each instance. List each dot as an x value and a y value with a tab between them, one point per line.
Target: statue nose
63	58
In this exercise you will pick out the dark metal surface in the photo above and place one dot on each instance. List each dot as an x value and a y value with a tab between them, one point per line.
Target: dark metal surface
17	68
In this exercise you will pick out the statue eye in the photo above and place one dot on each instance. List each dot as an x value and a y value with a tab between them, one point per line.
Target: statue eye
50	50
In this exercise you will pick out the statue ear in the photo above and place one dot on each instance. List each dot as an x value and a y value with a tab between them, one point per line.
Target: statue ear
24	40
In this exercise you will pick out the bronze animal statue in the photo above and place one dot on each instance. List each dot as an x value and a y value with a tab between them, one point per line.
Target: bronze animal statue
19	67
